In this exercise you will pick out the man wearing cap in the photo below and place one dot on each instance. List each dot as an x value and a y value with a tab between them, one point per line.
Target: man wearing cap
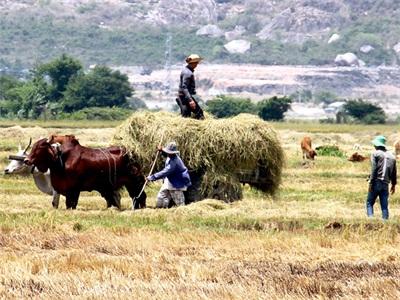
383	172
176	178
187	89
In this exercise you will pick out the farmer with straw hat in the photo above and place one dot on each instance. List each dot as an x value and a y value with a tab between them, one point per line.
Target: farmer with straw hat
176	178
187	89
383	172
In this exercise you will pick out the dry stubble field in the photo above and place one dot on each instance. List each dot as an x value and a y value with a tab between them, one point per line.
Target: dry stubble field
312	241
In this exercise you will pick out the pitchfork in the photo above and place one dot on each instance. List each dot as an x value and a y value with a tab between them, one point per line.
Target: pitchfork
151	171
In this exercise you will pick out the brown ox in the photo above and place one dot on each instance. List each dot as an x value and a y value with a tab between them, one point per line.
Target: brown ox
397	149
308	152
74	168
355	157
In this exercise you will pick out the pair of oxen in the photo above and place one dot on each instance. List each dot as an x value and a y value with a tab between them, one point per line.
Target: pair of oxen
60	165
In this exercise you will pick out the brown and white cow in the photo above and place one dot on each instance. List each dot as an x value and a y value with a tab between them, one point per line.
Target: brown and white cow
307	149
74	168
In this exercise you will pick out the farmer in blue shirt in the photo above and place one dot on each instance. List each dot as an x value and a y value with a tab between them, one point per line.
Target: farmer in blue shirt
176	178
383	172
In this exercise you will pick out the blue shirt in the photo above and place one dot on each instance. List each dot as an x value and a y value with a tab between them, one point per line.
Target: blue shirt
176	172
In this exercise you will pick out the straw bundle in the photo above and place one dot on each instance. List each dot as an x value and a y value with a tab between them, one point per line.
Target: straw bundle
221	153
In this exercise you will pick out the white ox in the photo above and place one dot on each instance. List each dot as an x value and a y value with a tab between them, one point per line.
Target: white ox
42	180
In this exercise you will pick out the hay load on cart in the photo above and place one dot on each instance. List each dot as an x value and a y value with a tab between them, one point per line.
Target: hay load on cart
221	154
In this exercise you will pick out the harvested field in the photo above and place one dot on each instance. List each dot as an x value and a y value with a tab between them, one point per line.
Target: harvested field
312	241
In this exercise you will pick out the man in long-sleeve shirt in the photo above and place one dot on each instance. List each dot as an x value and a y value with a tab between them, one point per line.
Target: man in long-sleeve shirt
187	89
383	172
176	178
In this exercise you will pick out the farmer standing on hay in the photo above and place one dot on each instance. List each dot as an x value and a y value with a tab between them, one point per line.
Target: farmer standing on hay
176	178
383	172
187	89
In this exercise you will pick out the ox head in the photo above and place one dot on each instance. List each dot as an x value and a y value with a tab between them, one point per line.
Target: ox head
61	139
18	166
311	154
42	155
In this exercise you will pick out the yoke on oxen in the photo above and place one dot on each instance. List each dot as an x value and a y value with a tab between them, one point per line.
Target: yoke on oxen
75	168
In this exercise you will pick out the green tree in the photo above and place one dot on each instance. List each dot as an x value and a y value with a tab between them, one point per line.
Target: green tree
365	112
6	84
274	108
7	105
227	106
28	100
325	97
59	71
101	87
137	104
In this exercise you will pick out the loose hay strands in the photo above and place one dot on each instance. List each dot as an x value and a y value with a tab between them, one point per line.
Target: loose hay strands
226	146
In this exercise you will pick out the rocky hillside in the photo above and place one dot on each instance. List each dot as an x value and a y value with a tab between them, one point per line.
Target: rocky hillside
127	32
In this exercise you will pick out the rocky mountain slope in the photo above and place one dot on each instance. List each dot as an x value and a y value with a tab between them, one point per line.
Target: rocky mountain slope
303	16
260	31
242	41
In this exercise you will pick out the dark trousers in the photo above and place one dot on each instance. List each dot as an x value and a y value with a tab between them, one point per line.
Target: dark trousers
186	110
379	189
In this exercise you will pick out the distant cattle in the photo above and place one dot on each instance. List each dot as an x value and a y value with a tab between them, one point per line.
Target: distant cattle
356	157
42	180
74	168
397	149
306	148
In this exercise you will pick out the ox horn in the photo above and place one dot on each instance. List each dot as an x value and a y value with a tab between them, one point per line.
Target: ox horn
50	139
27	147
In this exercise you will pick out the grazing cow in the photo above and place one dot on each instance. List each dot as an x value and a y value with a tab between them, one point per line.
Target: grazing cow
74	168
355	157
308	152
397	149
42	180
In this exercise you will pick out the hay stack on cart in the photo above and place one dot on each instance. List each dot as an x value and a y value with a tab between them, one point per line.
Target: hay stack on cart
221	154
